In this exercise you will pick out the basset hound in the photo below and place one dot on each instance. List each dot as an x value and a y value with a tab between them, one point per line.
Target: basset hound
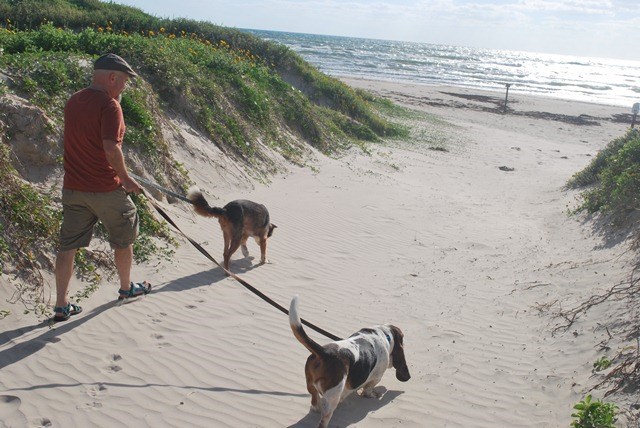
335	370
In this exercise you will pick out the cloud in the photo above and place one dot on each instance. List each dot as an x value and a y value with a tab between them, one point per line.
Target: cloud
572	6
581	27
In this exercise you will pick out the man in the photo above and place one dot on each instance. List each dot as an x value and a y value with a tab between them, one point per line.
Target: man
96	180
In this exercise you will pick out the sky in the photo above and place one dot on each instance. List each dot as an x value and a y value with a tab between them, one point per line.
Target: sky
595	28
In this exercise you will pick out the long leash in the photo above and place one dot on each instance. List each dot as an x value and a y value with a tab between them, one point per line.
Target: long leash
160	188
210	257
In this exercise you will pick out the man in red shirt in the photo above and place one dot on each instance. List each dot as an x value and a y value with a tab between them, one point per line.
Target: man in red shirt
96	180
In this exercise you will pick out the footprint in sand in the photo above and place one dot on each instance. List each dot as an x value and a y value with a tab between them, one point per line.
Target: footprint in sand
10	414
40	422
96	390
157	318
114	368
161	344
94	405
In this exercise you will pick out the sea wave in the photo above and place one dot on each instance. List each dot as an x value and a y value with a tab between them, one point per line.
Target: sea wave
596	80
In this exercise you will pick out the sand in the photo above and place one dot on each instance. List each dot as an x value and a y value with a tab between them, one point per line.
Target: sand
469	259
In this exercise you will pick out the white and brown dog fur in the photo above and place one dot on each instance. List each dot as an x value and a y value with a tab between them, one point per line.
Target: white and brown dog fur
238	220
335	370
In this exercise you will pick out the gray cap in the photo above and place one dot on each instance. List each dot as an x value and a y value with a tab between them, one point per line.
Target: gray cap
112	61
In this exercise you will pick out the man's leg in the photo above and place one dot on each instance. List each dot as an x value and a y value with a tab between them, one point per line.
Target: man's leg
64	270
124	259
75	232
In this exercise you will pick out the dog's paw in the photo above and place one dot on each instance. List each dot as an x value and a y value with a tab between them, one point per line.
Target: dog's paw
245	251
264	261
371	393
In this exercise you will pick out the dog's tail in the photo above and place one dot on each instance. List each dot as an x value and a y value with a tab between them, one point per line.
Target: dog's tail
200	204
298	331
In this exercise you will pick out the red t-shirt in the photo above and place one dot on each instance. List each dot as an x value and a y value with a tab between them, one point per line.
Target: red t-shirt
91	116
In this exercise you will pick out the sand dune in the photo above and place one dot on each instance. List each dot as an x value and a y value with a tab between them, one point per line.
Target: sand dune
456	251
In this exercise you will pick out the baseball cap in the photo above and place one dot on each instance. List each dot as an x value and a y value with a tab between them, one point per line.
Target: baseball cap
112	61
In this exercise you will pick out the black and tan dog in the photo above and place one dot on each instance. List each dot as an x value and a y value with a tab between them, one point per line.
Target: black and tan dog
238	220
335	370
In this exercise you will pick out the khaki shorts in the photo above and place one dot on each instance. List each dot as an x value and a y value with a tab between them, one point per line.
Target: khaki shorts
82	210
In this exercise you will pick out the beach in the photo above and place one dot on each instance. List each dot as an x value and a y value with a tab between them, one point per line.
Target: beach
469	249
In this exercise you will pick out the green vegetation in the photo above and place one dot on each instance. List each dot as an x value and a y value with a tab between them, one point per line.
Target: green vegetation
46	78
594	414
602	363
614	177
29	223
248	96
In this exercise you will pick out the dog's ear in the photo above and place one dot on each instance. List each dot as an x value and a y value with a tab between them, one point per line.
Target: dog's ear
271	227
397	355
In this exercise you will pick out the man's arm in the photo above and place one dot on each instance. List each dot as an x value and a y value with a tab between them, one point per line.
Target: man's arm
115	157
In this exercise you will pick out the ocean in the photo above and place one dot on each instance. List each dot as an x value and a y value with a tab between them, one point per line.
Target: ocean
595	80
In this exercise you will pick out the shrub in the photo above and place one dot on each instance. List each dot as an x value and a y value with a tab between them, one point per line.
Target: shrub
589	175
594	414
615	177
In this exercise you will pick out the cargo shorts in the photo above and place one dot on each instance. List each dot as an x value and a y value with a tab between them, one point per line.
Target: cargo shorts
82	210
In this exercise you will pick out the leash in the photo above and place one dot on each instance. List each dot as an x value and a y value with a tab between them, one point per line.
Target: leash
159	187
204	252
